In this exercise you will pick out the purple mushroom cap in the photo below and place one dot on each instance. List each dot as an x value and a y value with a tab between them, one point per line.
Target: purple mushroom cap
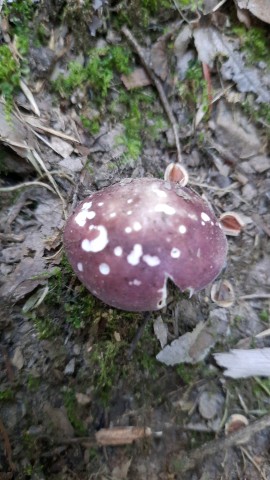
126	241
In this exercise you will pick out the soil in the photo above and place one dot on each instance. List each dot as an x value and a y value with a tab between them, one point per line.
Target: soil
68	364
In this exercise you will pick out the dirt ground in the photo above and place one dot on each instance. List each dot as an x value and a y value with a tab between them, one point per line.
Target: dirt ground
94	92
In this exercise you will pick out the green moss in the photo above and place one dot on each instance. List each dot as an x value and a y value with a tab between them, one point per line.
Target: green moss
46	328
9	75
264	315
254	42
97	74
193	90
80	308
92	126
257	112
136	105
6	395
71	408
33	383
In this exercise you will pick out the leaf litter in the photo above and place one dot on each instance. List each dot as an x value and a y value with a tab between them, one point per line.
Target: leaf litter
240	159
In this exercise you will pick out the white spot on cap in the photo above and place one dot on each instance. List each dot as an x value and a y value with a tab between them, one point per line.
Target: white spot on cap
113	214
193	216
134	257
175	253
137	226
151	260
128	229
104	269
90	215
97	244
182	229
164	208
130	200
203	223
80	267
205	217
198	252
129	212
135	282
160	193
118	251
87	205
80	219
100	204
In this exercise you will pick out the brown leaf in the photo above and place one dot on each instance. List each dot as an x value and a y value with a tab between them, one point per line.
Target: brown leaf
159	59
138	78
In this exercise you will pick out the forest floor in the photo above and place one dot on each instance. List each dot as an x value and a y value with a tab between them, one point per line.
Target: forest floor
84	106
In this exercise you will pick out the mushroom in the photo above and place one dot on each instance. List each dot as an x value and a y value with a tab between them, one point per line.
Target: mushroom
126	241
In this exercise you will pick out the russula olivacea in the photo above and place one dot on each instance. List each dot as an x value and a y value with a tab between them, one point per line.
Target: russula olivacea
126	241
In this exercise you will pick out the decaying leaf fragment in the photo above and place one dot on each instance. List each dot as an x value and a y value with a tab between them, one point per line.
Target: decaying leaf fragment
245	363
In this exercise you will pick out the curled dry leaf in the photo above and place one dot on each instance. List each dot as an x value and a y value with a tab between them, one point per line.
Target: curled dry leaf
232	223
235	422
222	293
175	172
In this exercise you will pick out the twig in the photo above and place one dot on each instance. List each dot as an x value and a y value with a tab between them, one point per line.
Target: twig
210	448
138	335
254	463
7	446
26	184
254	296
158	86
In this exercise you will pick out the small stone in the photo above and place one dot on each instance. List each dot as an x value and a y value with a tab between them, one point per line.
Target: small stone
70	367
209	404
17	359
83	399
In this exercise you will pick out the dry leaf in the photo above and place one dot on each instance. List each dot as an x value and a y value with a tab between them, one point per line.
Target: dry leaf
259	8
138	78
192	347
161	331
159	59
245	363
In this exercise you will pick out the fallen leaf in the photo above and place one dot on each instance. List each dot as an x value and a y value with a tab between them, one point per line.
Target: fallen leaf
138	78
161	331
245	363
259	8
159	59
192	347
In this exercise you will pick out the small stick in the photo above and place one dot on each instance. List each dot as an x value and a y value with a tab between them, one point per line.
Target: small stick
210	448
7	446
158	86
255	296
254	463
138	335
